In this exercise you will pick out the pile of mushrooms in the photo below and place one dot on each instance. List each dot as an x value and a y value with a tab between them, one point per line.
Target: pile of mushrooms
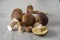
31	21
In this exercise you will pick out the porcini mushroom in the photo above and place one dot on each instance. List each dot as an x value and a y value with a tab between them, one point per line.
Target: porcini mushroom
17	13
28	29
16	17
28	19
40	30
43	19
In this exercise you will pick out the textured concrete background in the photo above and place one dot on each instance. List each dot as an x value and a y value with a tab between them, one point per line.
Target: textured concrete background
50	6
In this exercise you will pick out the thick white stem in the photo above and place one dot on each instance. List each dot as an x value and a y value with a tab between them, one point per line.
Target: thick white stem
39	27
20	28
12	24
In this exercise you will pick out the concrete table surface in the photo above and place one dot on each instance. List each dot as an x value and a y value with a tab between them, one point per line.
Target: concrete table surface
50	6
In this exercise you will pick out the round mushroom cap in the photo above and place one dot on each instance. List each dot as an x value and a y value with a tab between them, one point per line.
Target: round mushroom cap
43	19
28	29
17	13
28	19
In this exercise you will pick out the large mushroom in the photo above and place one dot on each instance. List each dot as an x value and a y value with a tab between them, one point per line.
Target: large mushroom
40	30
28	19
16	17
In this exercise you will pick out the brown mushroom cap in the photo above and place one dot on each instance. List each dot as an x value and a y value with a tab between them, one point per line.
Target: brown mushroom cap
28	19
29	9
28	29
17	13
43	19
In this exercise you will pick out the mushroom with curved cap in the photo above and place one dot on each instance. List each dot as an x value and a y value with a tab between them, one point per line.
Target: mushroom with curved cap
28	19
29	9
17	13
43	19
16	17
40	30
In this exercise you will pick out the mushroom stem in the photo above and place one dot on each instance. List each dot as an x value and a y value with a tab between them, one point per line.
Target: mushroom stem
20	28
36	24
39	27
36	17
12	24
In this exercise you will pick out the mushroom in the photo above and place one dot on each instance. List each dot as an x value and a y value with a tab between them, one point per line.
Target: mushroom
20	26
43	19
17	13
16	18
28	19
40	30
28	29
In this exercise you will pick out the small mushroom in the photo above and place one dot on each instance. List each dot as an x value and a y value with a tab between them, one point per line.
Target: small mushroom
28	29
28	19
29	9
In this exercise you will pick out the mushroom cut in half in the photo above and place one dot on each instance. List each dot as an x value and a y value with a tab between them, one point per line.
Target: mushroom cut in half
17	13
28	19
43	19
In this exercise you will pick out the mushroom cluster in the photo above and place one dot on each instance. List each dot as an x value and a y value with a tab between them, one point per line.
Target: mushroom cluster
29	21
